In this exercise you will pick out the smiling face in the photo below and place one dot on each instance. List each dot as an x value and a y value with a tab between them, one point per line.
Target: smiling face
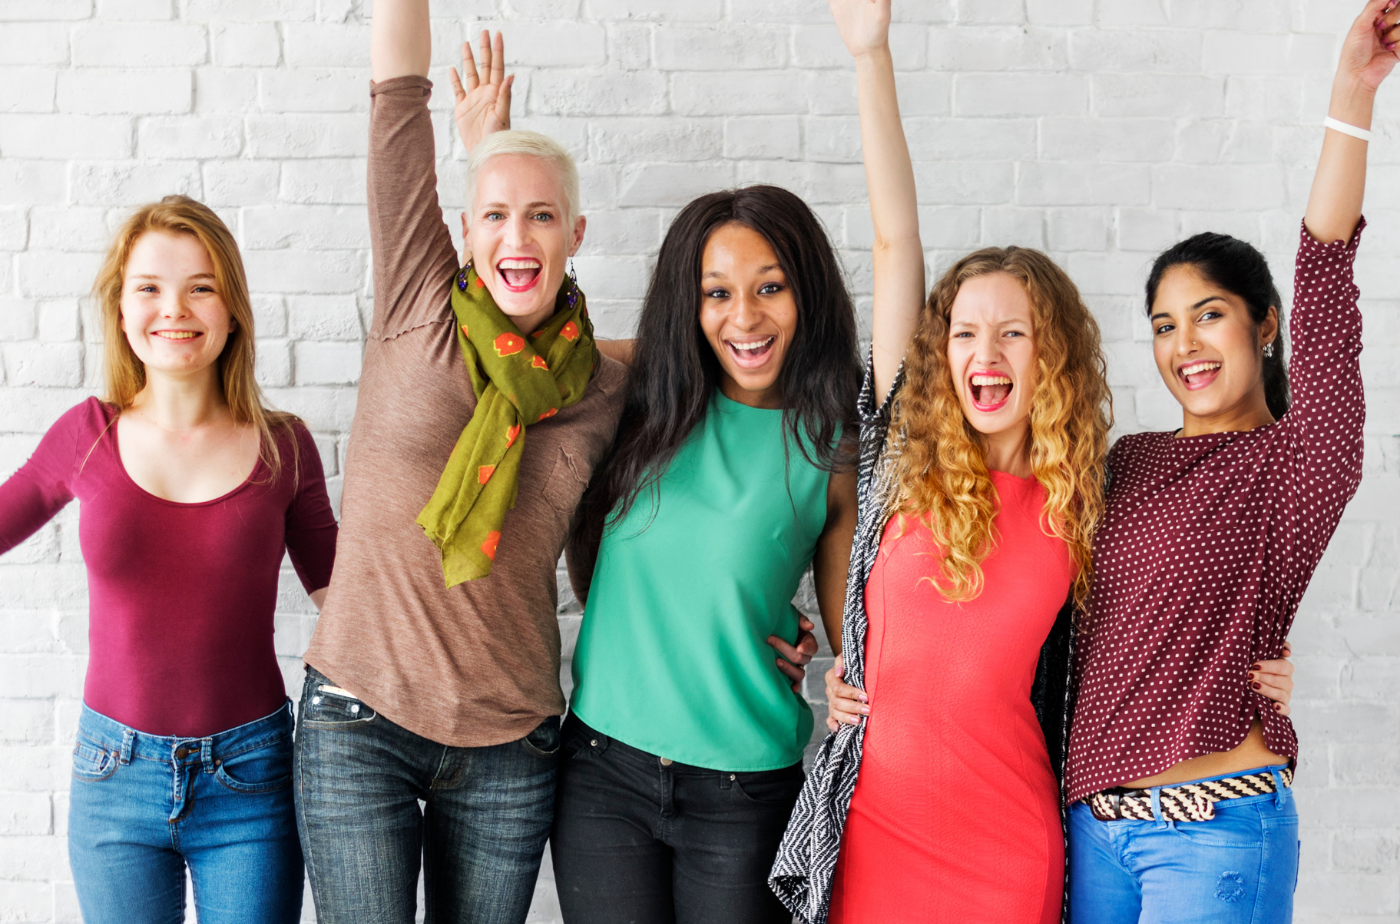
171	311
991	355
747	313
1209	351
519	235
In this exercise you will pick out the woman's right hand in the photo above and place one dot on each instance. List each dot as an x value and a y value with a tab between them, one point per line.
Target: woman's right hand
864	24
1371	48
483	105
846	705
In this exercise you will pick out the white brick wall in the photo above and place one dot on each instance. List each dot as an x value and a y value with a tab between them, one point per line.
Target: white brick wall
1101	130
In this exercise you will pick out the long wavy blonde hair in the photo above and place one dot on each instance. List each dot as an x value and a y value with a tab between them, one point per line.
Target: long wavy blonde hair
123	373
939	475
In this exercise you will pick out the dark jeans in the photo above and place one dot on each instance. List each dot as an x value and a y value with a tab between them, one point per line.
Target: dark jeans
639	840
144	807
480	832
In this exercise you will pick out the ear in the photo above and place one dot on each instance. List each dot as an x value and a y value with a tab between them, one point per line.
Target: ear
580	224
1268	328
466	244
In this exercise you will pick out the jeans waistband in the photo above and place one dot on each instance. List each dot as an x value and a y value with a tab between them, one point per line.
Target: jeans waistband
575	725
129	744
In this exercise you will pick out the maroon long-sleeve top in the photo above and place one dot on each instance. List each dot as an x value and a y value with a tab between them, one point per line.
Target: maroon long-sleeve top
1206	548
181	596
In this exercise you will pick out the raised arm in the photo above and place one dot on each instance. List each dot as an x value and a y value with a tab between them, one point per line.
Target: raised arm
1368	57
400	43
483	104
899	257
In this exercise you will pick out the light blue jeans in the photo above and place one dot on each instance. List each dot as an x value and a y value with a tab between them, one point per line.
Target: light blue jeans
1241	867
144	807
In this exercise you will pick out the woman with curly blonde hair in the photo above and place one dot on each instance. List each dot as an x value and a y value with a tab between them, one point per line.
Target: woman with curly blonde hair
985	419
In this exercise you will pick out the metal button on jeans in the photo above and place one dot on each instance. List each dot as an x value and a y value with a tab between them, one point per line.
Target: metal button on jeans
666	761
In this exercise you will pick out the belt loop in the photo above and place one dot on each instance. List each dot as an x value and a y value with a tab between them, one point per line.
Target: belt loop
206	754
1278	788
1156	794
128	744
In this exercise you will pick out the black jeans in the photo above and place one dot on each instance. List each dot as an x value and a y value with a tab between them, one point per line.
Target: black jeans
640	840
480	833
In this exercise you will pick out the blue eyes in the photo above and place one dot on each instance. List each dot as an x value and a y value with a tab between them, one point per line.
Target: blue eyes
537	216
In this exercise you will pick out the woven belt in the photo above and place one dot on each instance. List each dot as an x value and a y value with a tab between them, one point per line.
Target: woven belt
1187	802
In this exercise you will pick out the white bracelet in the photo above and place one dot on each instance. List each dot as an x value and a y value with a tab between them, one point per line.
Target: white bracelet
1345	129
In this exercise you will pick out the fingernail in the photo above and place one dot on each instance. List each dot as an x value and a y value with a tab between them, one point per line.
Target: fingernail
1255	667
1254	685
1251	675
865	710
863	698
1277	708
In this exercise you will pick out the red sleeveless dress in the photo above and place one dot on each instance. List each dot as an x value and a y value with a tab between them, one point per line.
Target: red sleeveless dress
955	816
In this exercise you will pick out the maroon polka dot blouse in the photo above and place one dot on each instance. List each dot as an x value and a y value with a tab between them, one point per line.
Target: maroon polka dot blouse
1206	548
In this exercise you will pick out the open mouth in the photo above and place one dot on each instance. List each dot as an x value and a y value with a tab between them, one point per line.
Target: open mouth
750	354
990	390
177	334
1199	374
519	274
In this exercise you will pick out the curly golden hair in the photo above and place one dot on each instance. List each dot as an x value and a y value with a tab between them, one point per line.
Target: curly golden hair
939	475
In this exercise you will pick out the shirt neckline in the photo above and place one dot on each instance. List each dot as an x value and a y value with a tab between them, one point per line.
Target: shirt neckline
121	466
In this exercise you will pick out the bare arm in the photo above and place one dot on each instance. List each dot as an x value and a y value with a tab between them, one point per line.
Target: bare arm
833	558
318	597
400	44
889	177
1368	57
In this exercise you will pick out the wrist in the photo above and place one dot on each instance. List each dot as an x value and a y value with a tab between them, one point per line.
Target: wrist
875	54
1352	101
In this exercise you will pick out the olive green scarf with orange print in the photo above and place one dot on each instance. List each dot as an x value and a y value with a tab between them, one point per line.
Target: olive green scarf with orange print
518	381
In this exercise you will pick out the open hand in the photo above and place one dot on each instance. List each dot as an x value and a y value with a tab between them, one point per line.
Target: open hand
864	24
483	105
1274	679
1369	50
796	657
846	705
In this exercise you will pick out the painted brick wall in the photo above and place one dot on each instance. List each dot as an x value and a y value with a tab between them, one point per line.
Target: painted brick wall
1100	130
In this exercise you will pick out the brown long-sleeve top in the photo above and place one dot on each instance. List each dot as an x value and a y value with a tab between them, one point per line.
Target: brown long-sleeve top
476	664
1206	548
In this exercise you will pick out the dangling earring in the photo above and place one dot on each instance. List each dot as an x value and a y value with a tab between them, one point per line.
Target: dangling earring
573	284
462	276
1268	351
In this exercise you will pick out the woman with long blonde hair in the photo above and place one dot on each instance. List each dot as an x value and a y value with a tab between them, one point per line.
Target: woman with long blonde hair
191	489
985	419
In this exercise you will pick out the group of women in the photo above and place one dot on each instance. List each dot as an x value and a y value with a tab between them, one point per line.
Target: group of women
1055	658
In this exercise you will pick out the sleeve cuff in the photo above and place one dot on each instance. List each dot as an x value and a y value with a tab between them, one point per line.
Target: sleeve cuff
1310	248
396	84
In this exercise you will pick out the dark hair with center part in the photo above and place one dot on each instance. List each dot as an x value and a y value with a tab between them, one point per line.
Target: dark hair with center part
675	372
1239	269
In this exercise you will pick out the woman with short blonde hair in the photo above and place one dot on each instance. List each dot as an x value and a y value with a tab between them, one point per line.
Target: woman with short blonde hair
191	491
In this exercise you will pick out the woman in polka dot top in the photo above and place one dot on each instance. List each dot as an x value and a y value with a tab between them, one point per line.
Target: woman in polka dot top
1211	535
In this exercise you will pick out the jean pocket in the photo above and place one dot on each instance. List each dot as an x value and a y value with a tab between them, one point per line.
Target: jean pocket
92	762
324	705
543	742
1233	826
260	770
772	788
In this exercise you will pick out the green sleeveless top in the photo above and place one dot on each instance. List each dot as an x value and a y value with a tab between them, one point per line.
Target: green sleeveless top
672	657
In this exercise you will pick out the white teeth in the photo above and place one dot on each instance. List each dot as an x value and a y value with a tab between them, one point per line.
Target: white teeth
513	263
1199	367
176	334
990	380
751	347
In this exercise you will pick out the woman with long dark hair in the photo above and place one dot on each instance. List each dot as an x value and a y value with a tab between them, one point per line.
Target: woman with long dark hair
1179	776
682	753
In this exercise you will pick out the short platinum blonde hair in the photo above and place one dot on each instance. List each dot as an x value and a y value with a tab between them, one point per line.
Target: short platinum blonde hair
535	145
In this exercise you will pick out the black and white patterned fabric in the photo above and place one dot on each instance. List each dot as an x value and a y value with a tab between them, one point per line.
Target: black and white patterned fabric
805	867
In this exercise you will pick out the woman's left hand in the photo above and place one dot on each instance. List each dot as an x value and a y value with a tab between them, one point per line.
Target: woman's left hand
483	105
1370	47
795	658
1274	679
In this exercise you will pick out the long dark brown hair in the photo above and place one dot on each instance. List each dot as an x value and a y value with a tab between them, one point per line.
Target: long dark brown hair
675	372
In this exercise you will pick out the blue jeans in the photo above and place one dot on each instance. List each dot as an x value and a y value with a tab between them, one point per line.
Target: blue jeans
1241	867
144	807
480	832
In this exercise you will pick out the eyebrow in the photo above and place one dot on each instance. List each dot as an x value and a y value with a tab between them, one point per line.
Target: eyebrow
761	270
1202	303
